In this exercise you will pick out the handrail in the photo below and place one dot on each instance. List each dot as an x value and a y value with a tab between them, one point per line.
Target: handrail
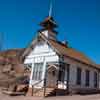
35	85
38	82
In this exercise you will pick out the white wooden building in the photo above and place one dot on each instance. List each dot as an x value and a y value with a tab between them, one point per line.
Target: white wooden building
55	65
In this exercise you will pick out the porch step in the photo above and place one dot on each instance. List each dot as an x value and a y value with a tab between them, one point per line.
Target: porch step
40	92
49	92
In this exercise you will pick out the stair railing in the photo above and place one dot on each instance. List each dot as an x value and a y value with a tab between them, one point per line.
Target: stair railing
35	84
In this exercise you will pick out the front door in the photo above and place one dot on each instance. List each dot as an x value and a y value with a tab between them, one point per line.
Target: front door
52	77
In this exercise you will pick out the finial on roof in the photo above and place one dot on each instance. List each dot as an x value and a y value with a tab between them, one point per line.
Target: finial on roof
49	22
50	9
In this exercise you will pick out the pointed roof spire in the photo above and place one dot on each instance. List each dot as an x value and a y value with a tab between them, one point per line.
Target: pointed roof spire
49	22
51	8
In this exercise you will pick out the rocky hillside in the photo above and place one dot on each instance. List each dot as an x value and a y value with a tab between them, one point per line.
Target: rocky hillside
11	56
11	67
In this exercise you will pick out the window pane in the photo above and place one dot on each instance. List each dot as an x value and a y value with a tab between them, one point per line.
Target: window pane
34	73
87	77
62	73
37	71
95	79
78	82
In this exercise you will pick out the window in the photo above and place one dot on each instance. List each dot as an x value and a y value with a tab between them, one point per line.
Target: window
37	71
95	79
62	72
78	81
60	75
87	78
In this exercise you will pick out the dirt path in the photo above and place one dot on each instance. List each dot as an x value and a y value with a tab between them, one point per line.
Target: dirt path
74	97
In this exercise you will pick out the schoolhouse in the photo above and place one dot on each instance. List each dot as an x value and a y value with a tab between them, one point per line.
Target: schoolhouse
57	67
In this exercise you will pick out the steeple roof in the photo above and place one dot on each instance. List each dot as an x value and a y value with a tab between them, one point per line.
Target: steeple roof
49	22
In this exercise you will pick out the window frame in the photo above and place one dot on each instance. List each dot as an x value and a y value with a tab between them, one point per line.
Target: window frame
95	79
87	78
61	76
37	71
79	76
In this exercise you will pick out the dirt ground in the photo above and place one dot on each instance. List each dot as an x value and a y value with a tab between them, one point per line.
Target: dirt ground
74	97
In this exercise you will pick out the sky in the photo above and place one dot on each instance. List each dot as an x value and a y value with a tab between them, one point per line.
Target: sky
78	21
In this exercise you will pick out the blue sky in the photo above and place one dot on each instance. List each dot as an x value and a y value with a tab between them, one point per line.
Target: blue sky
78	20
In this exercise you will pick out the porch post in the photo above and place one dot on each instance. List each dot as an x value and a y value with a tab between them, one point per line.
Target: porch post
45	84
68	75
98	79
44	76
44	69
30	83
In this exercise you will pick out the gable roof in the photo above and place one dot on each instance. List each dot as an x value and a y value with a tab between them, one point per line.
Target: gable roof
29	48
67	51
63	50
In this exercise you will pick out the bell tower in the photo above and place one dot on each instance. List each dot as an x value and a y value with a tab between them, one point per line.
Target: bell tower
49	25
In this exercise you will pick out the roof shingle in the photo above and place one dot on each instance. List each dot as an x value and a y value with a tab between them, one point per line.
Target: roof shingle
64	50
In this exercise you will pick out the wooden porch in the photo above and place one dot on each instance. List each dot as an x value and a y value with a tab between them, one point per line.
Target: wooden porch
53	82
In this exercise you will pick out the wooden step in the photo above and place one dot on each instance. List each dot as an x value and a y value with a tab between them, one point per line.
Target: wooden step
49	91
